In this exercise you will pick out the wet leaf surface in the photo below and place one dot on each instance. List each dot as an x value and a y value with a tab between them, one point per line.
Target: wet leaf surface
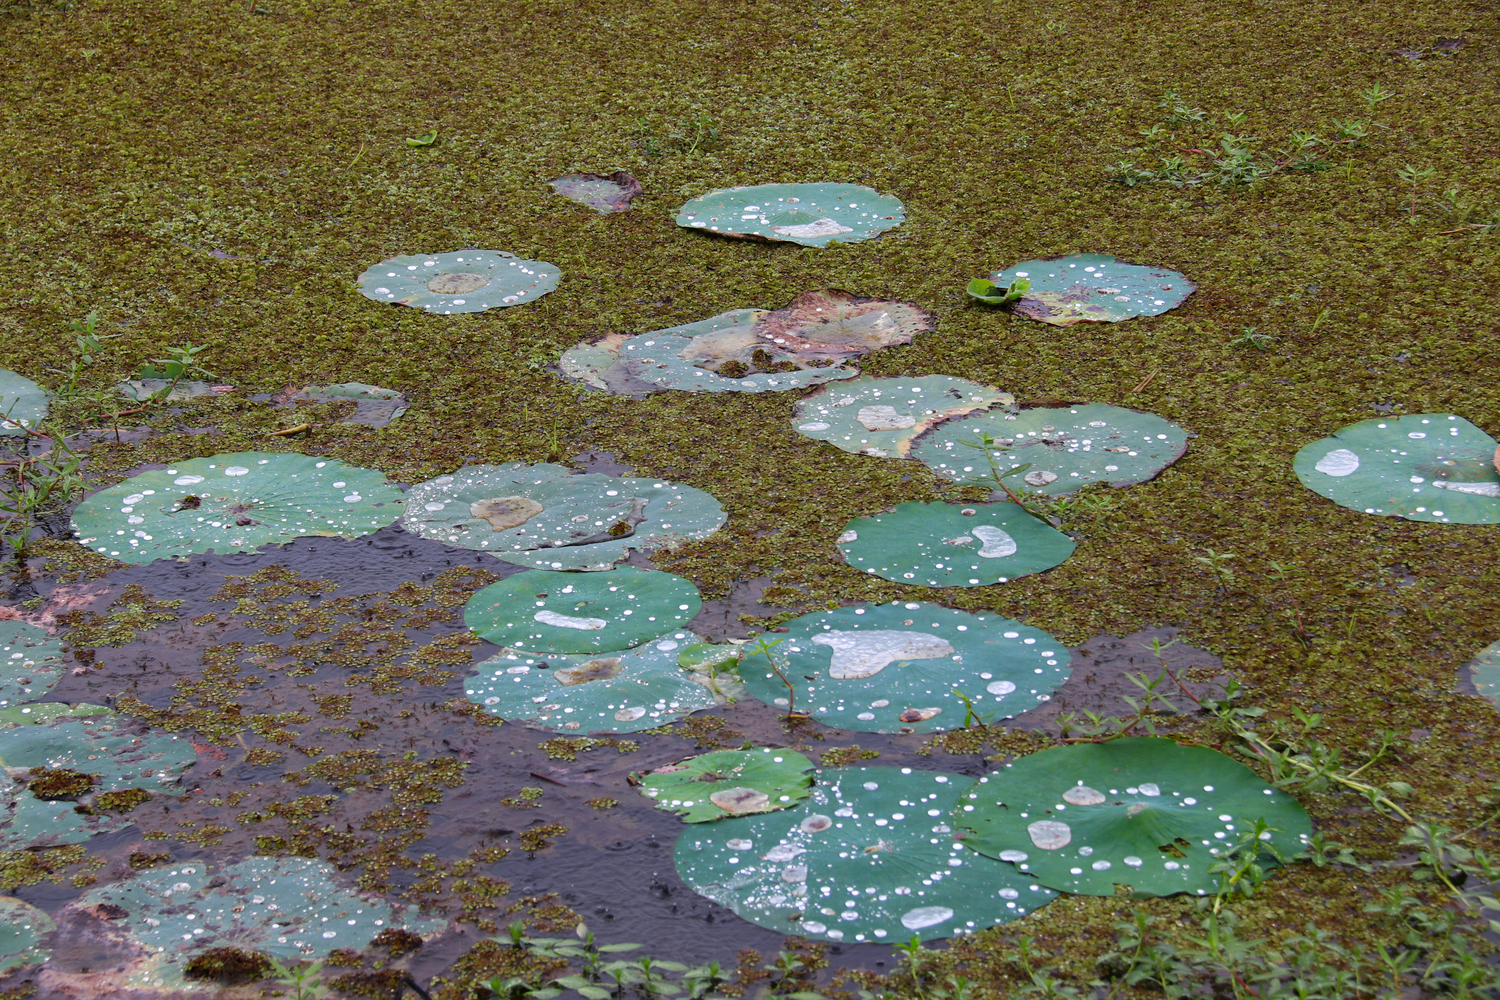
813	215
22	403
31	663
1093	288
461	282
686	358
726	783
373	406
953	545
882	416
22	929
1484	671
604	193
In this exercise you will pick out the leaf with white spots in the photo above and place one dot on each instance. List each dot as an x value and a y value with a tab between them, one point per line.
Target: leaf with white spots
22	928
22	403
461	282
31	663
813	215
1484	670
1144	813
1093	288
234	503
951	545
727	783
890	668
1066	447
882	416
868	857
1422	467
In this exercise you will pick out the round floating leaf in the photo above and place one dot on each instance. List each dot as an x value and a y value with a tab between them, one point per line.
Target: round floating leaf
1065	448
869	856
287	907
1141	812
882	416
685	357
373	406
616	692
22	403
603	193
461	282
730	783
894	667
541	612
1484	669
234	503
22	927
813	215
31	663
1423	467
551	518
1093	288
589	360
947	545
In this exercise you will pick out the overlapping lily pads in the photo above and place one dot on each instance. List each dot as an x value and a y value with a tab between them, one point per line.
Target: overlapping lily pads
551	518
22	928
882	416
870	856
461	282
1143	813
31	663
617	692
604	193
1484	671
1065	447
901	667
544	612
949	545
22	403
373	405
234	503
813	215
1093	288
1422	467
725	783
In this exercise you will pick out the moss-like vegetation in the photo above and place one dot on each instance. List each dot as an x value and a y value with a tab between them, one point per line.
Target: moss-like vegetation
58	783
227	965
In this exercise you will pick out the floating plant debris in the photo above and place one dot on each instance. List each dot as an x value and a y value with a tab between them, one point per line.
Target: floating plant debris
1484	671
549	517
730	783
152	380
887	668
461	282
951	545
234	503
1423	467
813	215
31	663
22	403
22	928
616	692
1093	288
882	416
543	612
869	856
604	193
1143	813
1065	447
373	406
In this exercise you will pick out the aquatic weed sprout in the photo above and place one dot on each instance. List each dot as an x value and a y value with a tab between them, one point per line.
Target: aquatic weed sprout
725	783
953	545
882	416
813	215
461	282
1093	288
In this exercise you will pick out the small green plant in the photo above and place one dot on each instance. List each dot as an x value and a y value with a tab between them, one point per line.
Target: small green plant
1375	97
1250	337
1218	564
300	977
423	140
991	294
698	132
1413	176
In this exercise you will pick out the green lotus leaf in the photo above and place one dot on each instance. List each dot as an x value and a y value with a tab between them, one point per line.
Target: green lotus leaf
589	361
1065	448
886	668
88	739
1484	670
543	612
948	545
461	282
1093	288
291	908
373	406
552	518
1143	813
31	663
22	928
991	294
604	193
882	416
869	856
1423	467
22	403
729	783
234	503
617	692
813	215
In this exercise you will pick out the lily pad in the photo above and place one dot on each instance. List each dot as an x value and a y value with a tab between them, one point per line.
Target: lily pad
730	783
1484	670
291	908
1065	447
1093	288
22	403
461	282
813	215
22	928
590	360
551	518
882	416
31	663
616	692
1423	467
234	503
1143	813
887	668
373	406
542	612
948	545
604	193
869	856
